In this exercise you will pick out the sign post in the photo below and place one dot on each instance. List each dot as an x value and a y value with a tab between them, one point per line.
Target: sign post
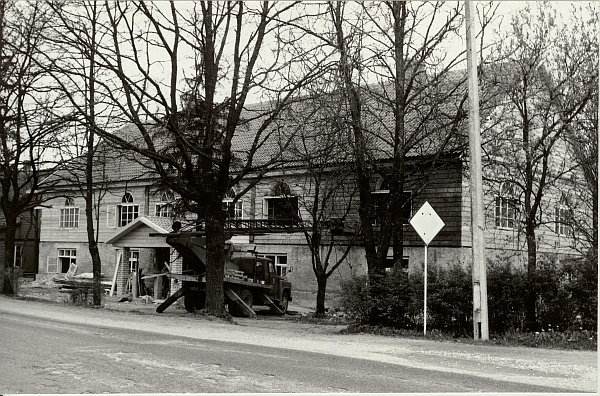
427	224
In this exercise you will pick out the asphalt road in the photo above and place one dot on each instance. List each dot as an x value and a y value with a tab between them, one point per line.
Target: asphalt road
46	348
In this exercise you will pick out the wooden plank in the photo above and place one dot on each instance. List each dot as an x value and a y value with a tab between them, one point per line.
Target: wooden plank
114	281
272	304
154	275
235	298
171	300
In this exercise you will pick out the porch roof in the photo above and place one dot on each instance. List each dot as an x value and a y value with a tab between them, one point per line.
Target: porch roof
137	233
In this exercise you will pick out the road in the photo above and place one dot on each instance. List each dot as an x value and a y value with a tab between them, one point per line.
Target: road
50	348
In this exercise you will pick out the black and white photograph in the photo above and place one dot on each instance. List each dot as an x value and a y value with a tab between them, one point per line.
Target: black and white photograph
299	197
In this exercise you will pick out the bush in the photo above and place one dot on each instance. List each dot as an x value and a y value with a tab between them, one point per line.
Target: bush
505	288
567	298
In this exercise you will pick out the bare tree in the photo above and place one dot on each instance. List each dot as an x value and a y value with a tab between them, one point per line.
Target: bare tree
319	146
74	41
182	74
28	126
583	134
404	98
544	91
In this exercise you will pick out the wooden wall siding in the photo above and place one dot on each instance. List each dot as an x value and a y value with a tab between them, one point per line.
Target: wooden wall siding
443	191
50	228
514	239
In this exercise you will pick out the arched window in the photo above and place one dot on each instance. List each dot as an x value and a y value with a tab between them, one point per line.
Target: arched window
563	216
128	211
69	214
506	206
127	198
234	210
281	189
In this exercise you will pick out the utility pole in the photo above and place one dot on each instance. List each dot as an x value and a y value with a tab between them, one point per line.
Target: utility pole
480	312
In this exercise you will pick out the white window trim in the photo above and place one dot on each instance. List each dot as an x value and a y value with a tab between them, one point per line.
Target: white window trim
18	248
229	201
61	221
276	263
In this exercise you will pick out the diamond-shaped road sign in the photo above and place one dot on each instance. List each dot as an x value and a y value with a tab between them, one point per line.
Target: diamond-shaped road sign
427	223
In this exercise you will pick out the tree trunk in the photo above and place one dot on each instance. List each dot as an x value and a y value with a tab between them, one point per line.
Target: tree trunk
321	288
89	194
215	265
8	281
531	292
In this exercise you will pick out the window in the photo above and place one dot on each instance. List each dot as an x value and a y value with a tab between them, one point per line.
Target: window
128	211
506	207
134	259
380	203
18	255
69	215
66	257
562	217
234	210
282	205
280	261
164	208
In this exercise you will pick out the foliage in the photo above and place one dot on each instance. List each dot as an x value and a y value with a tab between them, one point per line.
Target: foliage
567	299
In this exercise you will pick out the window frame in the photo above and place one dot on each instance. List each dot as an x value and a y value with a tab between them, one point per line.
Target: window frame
230	207
563	216
273	216
506	208
69	254
18	256
164	208
281	268
69	215
383	190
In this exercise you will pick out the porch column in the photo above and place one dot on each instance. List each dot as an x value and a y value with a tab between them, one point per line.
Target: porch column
176	268
123	274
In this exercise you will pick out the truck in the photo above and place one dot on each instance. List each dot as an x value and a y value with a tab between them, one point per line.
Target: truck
249	280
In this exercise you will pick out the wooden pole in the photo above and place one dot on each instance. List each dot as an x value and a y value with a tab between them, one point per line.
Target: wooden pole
480	314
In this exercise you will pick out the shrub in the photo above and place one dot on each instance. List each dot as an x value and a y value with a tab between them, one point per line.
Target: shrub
565	290
505	288
450	300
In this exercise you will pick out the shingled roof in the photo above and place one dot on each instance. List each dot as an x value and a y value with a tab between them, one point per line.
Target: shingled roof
299	126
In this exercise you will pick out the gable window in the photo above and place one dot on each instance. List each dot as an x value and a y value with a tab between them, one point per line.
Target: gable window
381	199
69	215
234	210
506	207
164	208
562	217
282	206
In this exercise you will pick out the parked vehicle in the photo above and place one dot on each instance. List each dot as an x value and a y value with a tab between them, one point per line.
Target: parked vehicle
249	280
